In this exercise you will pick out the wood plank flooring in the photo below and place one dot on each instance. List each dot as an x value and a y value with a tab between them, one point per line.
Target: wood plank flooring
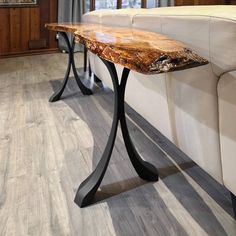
46	150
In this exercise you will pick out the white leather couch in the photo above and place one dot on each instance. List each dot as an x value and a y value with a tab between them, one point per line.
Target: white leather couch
195	108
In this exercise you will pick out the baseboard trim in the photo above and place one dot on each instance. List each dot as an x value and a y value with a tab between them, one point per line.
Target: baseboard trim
30	53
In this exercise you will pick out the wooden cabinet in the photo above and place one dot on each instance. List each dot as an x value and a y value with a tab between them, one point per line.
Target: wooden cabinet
22	29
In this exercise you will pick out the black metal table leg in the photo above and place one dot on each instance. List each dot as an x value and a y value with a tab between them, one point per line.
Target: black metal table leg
71	63
85	59
84	89
56	96
90	71
145	170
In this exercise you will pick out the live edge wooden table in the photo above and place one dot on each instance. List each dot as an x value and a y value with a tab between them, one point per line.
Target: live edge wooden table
138	50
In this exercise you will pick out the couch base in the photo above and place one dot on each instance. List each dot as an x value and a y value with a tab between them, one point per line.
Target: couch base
233	197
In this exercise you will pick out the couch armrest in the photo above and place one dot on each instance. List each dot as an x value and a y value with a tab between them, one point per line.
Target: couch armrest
227	127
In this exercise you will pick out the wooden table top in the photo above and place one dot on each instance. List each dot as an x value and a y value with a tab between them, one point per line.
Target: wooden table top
142	51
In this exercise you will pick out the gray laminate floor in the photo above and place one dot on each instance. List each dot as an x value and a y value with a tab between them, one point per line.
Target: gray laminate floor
46	150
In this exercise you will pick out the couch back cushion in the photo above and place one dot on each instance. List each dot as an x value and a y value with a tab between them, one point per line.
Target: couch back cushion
187	99
183	28
209	30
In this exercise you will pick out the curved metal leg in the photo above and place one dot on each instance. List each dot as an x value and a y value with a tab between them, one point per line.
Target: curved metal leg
83	88
57	95
88	187
71	62
145	170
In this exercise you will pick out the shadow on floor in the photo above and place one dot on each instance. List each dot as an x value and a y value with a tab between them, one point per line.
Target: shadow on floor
135	206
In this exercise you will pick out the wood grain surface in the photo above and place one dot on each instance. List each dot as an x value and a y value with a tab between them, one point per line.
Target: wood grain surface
142	51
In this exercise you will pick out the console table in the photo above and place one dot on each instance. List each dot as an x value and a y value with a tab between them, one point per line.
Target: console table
138	50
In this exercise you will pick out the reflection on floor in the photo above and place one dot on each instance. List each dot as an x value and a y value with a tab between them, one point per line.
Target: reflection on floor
46	150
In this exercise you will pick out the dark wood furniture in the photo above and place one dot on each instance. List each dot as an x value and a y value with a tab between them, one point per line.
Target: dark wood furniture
22	29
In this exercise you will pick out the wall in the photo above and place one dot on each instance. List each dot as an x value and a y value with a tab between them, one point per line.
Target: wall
22	29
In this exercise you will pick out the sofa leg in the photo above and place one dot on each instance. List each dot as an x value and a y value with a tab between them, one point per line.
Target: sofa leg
233	197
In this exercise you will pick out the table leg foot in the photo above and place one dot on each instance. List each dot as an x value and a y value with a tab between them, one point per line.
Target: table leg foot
144	169
57	95
89	186
71	63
